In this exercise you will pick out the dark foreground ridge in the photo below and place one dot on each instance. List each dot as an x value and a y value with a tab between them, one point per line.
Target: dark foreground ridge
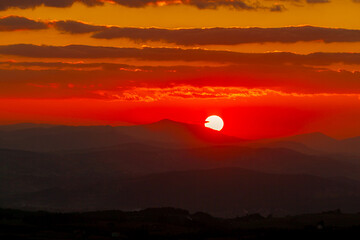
171	223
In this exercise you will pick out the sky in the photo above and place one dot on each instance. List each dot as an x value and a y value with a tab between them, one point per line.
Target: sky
268	68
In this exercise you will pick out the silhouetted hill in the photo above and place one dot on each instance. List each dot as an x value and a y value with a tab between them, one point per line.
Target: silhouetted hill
100	167
295	146
194	134
143	159
22	126
351	145
165	133
61	138
171	223
223	192
135	159
319	143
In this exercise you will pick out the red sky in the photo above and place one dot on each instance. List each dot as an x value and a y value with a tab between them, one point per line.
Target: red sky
268	68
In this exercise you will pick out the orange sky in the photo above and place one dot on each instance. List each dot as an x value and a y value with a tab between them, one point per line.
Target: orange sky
269	68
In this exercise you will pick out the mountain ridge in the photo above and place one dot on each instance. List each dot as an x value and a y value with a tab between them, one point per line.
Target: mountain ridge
209	190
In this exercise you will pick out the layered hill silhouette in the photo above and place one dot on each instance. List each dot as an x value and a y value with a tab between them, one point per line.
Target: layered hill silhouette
139	159
175	164
223	192
165	133
319	143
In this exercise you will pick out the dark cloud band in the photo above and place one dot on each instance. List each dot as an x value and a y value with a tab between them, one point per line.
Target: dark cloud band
200	4
14	23
23	4
75	27
231	36
177	54
191	37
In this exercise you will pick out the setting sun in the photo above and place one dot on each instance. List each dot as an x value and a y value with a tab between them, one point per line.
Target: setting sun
214	122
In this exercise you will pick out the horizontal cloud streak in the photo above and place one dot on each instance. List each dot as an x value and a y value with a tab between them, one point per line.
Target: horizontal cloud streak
142	94
200	4
23	4
318	1
104	80
14	23
231	36
193	36
75	27
177	54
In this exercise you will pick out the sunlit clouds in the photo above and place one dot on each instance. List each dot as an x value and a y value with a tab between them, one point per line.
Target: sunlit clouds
115	61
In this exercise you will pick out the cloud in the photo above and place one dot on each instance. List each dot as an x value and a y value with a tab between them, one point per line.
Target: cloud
75	27
115	81
149	94
277	8
14	23
318	1
69	66
152	94
177	54
200	4
192	36
23	4
307	1
231	36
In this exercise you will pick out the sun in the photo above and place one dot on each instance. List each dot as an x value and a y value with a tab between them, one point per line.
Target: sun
214	122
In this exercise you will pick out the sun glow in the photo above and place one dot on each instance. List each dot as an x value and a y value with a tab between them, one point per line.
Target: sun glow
214	122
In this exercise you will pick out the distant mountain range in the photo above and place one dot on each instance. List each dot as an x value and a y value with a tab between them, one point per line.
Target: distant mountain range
165	133
319	143
174	164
